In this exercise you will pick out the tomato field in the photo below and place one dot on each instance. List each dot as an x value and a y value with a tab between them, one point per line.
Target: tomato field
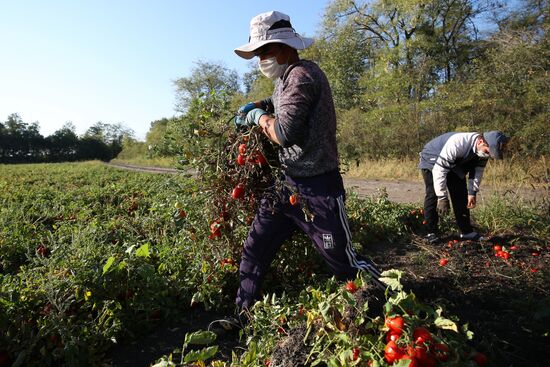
93	258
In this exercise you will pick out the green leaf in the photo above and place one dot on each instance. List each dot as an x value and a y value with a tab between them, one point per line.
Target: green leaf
164	363
201	355
143	251
200	337
392	278
446	324
402	363
108	264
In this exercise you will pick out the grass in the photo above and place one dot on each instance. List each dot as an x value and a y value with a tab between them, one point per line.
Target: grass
515	172
164	162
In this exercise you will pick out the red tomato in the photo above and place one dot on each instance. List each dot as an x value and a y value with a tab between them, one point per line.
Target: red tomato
257	158
215	226
422	335
241	160
215	234
392	352
238	192
497	247
351	287
390	335
356	353
260	159
443	262
535	254
441	352
514	248
293	199
505	255
242	148
228	261
43	250
479	358
395	324
417	351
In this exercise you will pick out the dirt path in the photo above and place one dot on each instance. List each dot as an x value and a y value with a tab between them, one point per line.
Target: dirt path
398	191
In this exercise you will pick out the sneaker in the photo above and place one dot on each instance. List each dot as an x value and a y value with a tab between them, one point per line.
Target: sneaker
472	236
228	323
432	238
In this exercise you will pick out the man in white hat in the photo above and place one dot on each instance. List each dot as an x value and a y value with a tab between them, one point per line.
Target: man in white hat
300	118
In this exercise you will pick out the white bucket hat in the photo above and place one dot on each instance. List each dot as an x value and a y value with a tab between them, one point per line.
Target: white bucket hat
271	27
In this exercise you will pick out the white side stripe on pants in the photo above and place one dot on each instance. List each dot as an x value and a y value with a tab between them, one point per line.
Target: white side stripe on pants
350	252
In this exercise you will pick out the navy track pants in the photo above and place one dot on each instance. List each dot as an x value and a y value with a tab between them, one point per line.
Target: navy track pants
277	219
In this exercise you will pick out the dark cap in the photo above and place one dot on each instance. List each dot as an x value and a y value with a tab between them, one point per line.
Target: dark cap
496	141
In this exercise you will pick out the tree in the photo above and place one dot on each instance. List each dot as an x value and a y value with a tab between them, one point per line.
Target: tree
206	78
109	135
63	144
343	55
21	142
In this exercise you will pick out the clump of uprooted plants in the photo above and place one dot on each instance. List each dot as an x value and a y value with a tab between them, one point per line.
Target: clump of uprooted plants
351	324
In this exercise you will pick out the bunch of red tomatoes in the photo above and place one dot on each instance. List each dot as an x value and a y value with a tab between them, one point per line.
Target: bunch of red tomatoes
422	348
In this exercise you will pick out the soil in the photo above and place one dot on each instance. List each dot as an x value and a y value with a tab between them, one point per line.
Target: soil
506	303
398	191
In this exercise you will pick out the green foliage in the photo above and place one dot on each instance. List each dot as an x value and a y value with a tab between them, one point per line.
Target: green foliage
206	78
501	214
82	262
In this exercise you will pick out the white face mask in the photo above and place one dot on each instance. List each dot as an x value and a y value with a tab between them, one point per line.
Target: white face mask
482	154
271	68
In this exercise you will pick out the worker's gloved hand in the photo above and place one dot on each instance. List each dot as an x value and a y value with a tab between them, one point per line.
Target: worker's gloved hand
443	206
253	117
243	110
240	118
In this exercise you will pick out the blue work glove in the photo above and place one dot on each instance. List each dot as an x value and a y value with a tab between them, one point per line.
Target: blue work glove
243	110
240	118
253	117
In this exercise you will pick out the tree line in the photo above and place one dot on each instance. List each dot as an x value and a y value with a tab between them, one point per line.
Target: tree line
22	142
401	72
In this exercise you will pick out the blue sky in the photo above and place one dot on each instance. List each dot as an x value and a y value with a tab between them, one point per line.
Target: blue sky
115	61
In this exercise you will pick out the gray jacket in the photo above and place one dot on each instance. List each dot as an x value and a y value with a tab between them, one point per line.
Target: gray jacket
305	121
453	152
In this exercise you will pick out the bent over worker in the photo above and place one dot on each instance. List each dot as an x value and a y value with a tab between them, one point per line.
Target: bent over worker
445	161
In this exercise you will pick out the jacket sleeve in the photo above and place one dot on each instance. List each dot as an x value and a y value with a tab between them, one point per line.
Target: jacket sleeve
475	176
294	108
452	149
